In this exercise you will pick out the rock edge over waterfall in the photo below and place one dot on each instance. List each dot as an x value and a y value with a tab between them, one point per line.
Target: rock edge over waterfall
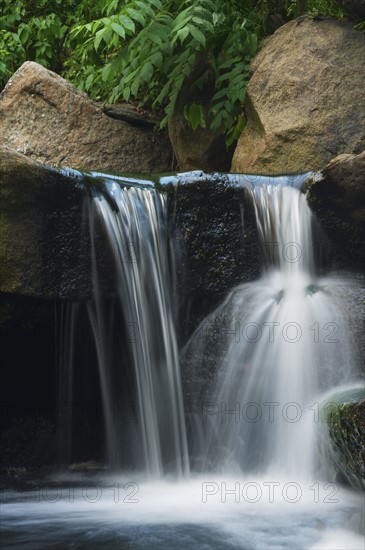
337	197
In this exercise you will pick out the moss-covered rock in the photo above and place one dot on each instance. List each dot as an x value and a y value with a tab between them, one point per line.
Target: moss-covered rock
344	449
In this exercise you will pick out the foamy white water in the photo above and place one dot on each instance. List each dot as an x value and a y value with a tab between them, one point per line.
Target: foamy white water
242	513
283	342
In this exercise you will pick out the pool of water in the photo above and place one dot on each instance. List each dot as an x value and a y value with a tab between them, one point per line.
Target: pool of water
210	512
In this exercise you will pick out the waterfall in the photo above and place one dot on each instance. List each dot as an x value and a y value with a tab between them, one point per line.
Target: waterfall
280	342
256	373
134	224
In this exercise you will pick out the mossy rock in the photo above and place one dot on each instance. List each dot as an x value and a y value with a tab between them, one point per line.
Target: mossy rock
346	430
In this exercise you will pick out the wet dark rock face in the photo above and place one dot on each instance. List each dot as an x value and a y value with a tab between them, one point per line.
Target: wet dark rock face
32	415
46	235
43	230
216	241
337	197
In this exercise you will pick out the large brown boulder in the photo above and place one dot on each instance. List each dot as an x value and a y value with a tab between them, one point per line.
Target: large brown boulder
44	117
337	196
305	99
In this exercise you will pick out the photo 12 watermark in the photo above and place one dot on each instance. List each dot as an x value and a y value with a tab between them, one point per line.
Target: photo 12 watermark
270	492
266	412
90	493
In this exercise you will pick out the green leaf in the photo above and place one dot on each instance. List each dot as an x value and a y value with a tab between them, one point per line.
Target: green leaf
135	86
147	71
24	33
155	36
130	76
126	93
157	4
228	64
128	24
95	26
221	78
204	23
105	72
217	17
219	94
195	115
163	94
216	121
186	69
136	15
198	35
89	81
234	133
253	43
157	59
145	8
118	29
98	38
182	34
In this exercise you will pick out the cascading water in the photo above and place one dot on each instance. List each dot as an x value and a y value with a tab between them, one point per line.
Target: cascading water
279	344
279	348
134	221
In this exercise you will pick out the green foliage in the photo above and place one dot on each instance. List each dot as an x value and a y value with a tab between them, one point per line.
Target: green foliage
360	26
148	50
34	30
324	7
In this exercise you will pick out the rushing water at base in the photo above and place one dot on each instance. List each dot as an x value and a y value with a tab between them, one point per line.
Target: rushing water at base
208	512
252	440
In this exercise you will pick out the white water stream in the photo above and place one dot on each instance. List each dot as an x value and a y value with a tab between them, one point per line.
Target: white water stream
135	226
284	341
